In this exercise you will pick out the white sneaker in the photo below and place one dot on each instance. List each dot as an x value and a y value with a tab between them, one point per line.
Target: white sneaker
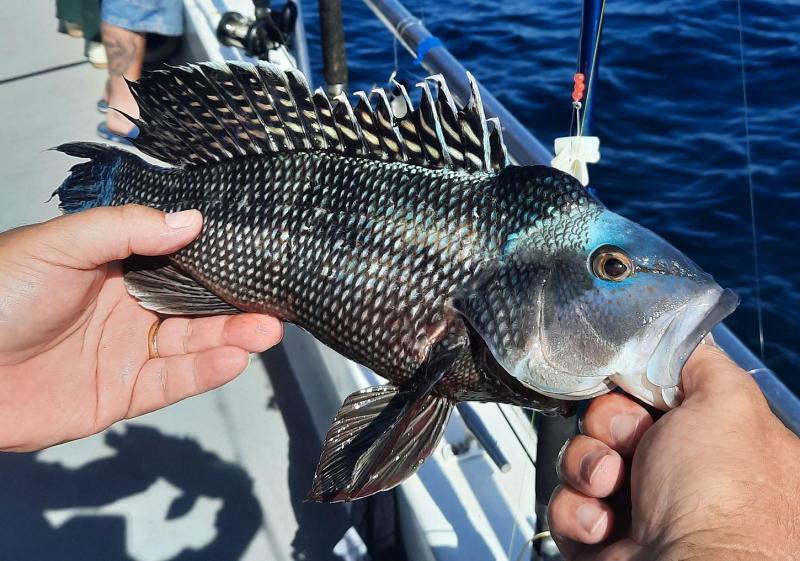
96	53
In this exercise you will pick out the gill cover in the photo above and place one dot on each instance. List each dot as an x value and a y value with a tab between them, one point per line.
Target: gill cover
509	308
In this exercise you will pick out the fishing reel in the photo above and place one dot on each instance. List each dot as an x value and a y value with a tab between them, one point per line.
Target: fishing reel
270	29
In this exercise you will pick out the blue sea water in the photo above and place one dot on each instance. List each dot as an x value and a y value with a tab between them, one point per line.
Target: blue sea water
670	116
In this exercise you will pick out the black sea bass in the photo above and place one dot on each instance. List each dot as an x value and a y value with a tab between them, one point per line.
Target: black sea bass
405	241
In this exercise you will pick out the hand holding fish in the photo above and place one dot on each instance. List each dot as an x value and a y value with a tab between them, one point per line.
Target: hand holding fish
74	344
715	478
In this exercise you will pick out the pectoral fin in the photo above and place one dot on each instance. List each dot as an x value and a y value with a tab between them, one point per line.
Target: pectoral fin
379	437
161	287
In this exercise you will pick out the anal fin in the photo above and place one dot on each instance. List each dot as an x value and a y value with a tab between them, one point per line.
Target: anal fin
163	288
379	437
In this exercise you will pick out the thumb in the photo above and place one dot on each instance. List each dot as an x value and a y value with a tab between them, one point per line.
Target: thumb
87	239
709	372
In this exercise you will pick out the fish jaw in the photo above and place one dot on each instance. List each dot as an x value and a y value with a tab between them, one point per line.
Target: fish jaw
658	382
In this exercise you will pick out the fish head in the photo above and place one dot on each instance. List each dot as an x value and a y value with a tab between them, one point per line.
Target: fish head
587	300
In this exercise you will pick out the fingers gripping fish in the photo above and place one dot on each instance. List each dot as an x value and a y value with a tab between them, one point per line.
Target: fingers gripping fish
408	244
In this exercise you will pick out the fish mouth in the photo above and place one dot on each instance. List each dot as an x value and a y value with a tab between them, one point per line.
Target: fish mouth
683	334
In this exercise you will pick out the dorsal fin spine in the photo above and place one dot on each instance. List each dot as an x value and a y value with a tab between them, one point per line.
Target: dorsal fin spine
344	107
446	108
392	140
477	106
497	145
432	128
273	82
369	125
304	105
325	116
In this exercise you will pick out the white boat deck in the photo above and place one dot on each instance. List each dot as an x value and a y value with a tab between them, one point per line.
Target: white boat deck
206	479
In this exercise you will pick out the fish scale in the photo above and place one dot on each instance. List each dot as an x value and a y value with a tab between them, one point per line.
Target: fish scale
406	243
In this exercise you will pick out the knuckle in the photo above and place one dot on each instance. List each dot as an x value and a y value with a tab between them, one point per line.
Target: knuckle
132	213
187	336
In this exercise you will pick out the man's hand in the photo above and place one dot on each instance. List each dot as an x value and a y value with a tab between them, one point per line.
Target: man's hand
73	342
717	478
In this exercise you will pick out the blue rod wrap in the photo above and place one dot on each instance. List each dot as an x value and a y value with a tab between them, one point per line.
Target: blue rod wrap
426	46
590	31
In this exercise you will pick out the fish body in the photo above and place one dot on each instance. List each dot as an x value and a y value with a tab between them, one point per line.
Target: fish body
408	245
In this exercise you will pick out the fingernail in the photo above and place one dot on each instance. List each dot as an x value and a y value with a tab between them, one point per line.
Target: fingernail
181	219
623	429
264	327
560	459
594	464
592	518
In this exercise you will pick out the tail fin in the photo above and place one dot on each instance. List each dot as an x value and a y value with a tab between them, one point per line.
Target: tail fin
91	183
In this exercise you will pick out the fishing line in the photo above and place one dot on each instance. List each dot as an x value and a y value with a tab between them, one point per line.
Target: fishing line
518	510
756	268
396	62
516	434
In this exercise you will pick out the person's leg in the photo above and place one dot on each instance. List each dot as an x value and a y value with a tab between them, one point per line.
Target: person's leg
125	58
69	14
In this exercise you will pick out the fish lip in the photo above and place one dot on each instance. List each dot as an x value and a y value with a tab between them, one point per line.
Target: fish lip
673	349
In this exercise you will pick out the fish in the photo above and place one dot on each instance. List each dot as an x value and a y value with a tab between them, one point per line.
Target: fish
404	238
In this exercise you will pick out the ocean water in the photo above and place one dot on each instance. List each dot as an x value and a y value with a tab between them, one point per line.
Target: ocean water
670	116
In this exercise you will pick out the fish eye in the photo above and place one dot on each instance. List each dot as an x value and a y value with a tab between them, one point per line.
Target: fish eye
611	264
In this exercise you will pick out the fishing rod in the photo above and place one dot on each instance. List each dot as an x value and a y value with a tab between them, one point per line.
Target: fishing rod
334	56
589	57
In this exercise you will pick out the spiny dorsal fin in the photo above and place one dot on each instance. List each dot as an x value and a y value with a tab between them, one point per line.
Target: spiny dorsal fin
282	101
210	112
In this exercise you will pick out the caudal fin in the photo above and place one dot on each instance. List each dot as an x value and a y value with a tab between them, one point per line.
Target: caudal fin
91	183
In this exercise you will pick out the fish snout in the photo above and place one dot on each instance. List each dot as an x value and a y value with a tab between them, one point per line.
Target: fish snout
659	385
